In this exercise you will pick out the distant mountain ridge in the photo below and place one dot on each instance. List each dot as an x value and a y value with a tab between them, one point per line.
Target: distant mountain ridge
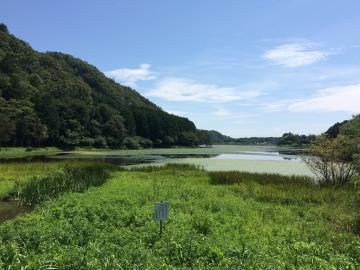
56	99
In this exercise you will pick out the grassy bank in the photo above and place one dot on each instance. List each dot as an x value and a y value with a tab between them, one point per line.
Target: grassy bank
246	224
19	152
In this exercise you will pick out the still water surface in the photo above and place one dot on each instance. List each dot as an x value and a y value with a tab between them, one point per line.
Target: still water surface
264	159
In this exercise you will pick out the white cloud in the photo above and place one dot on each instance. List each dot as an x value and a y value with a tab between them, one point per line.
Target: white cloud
222	112
296	54
233	116
334	99
178	89
278	105
129	77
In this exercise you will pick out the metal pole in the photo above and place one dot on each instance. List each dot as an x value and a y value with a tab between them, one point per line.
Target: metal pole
161	227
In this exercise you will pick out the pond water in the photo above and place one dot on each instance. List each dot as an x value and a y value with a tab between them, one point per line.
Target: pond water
258	156
267	159
11	209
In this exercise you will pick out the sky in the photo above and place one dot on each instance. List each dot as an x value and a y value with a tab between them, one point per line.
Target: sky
244	68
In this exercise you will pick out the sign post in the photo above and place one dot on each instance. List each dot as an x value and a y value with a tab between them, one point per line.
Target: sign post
161	213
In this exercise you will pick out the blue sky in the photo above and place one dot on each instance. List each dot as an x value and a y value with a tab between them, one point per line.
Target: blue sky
245	68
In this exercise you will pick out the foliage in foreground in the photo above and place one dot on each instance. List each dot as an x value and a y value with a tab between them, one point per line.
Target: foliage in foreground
210	226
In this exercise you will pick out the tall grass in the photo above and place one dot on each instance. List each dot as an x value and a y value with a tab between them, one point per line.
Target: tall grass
167	166
296	191
13	175
67	179
232	177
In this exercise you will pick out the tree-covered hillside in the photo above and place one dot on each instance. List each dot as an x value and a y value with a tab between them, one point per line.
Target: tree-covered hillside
217	137
55	99
291	139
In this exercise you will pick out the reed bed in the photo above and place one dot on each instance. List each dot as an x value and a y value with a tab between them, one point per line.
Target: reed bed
67	179
232	177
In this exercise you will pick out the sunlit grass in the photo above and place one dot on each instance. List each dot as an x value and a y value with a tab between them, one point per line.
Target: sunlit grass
248	224
14	175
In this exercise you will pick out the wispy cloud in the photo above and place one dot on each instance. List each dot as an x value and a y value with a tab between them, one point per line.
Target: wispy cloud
178	89
296	54
278	105
335	99
232	115
222	113
130	76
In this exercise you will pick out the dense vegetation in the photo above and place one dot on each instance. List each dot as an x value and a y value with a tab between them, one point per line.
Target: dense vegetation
257	140
334	130
33	182
218	138
291	139
68	179
54	99
287	139
250	224
335	157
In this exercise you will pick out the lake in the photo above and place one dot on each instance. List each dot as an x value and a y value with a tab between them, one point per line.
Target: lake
265	159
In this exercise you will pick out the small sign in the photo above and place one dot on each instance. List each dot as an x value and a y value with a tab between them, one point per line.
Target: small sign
161	211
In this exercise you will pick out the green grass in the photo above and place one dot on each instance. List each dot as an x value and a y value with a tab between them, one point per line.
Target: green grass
19	152
15	174
68	179
234	177
248	224
31	182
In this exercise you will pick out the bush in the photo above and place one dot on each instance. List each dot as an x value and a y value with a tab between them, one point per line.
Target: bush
332	159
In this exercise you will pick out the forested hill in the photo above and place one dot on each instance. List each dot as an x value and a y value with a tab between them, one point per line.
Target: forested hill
217	137
55	99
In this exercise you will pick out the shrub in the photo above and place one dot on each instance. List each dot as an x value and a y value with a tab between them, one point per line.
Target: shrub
332	159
